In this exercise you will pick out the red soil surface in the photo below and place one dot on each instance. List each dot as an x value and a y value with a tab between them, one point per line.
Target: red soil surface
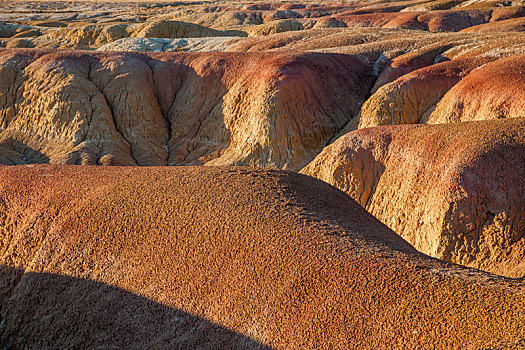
278	257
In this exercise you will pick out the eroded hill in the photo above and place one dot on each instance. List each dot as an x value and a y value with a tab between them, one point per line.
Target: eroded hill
91	24
258	109
226	257
452	191
214	257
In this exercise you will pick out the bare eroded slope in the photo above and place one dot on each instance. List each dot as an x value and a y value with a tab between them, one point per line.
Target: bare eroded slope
454	191
155	109
276	257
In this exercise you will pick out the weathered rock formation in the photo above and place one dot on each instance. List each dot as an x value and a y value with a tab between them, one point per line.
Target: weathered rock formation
493	91
113	257
508	25
283	25
409	62
10	29
97	35
451	91
167	45
19	43
453	191
411	98
415	49
173	29
83	37
434	21
88	25
261	109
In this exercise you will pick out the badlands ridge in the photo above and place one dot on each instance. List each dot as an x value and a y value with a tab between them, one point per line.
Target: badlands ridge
256	175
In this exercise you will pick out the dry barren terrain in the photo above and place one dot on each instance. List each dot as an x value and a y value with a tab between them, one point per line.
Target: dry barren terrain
262	175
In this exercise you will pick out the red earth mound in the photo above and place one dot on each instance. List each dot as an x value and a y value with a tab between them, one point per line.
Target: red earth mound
277	258
412	98
454	191
464	89
508	25
493	91
434	21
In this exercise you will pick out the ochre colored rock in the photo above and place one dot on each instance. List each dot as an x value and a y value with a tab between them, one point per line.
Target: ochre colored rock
434	21
475	88
508	25
261	109
84	37
51	24
503	13
409	62
433	5
329	22
204	257
173	29
493	91
454	20
284	25
412	98
454	191
28	33
7	30
19	43
96	35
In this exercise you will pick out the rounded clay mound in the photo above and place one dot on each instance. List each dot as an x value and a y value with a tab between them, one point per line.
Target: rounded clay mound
462	89
411	98
493	91
454	191
217	257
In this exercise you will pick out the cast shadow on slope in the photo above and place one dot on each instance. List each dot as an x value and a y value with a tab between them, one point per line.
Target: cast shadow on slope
14	152
117	319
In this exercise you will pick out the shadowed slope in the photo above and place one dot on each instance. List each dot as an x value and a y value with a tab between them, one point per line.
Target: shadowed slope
81	313
279	257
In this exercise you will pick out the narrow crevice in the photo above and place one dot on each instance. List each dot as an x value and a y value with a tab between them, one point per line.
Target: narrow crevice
19	82
201	121
165	114
112	112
